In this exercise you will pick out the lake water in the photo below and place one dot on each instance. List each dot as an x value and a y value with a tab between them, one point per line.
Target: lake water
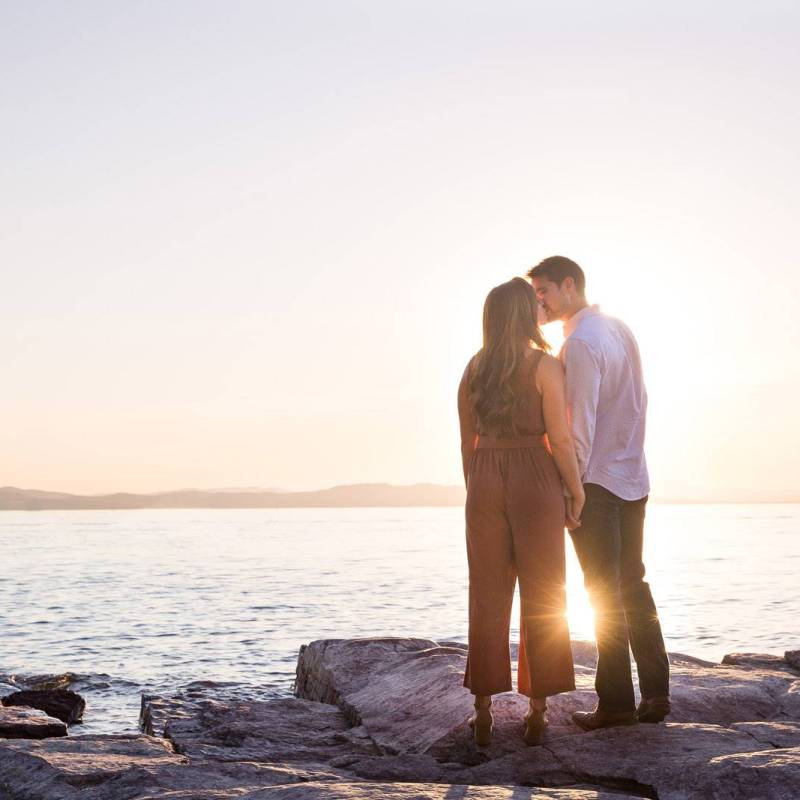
134	601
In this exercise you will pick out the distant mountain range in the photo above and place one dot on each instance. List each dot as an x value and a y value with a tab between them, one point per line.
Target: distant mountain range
359	494
352	496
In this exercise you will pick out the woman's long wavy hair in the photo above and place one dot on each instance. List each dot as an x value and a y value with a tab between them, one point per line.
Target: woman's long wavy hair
510	326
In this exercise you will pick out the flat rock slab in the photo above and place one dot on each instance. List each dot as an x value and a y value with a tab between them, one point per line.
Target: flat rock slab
663	757
316	736
28	723
767	775
328	669
127	767
724	694
144	768
59	703
772	734
671	762
415	702
386	718
63	767
201	779
392	791
408	693
276	731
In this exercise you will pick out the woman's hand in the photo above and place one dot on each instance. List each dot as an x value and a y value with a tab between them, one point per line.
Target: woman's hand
574	509
550	381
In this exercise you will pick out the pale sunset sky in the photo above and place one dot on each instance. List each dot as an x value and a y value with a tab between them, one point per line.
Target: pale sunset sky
248	243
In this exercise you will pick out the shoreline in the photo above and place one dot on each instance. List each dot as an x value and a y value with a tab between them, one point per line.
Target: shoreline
117	695
372	717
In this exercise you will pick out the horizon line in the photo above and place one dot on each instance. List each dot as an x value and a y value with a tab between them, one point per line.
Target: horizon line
287	493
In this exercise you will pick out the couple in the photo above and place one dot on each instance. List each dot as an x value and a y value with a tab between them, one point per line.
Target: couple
534	429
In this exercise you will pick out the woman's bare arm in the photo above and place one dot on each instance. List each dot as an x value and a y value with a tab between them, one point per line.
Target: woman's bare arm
550	383
469	436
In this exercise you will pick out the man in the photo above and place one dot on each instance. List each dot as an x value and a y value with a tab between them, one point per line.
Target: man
607	403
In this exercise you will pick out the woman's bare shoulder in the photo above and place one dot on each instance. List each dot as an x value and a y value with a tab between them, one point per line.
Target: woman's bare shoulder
549	368
549	362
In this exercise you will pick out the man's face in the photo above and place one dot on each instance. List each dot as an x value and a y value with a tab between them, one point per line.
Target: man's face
554	299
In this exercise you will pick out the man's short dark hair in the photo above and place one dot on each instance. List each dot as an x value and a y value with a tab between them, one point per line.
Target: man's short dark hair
557	269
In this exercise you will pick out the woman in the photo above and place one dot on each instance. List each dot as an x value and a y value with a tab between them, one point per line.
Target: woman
517	450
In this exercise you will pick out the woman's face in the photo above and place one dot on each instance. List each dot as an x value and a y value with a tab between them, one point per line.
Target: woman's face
553	299
541	314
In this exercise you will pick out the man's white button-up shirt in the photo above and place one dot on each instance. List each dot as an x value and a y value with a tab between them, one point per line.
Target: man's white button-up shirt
607	402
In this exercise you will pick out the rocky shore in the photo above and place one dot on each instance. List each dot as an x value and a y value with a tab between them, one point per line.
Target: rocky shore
375	718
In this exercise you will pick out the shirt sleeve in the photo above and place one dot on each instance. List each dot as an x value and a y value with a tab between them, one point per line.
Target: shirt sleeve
583	390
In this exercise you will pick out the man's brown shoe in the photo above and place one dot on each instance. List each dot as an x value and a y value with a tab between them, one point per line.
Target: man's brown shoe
653	709
594	720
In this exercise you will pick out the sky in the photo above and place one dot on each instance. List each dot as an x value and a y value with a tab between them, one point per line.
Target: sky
248	243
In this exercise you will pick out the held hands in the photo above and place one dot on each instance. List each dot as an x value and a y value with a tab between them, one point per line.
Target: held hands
574	509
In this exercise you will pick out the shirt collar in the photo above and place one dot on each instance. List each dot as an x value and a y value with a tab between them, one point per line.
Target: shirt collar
572	323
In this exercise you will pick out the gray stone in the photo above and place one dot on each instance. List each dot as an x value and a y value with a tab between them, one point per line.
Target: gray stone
762	775
724	693
276	731
408	693
388	718
61	768
413	702
654	757
155	711
508	711
59	703
533	766
772	734
396	791
792	658
328	669
18	722
373	681
218	779
408	767
127	767
44	682
757	661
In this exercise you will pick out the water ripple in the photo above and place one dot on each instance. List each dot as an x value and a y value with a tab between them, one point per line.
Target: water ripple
153	600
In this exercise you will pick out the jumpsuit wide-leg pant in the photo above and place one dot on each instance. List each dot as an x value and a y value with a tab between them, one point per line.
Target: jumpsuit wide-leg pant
515	515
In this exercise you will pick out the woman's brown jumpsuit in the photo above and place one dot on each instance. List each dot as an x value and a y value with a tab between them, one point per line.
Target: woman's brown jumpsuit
515	514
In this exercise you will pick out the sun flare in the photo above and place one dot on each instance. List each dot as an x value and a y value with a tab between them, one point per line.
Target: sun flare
579	609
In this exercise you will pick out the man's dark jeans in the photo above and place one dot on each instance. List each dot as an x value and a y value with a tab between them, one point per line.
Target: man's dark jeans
609	547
